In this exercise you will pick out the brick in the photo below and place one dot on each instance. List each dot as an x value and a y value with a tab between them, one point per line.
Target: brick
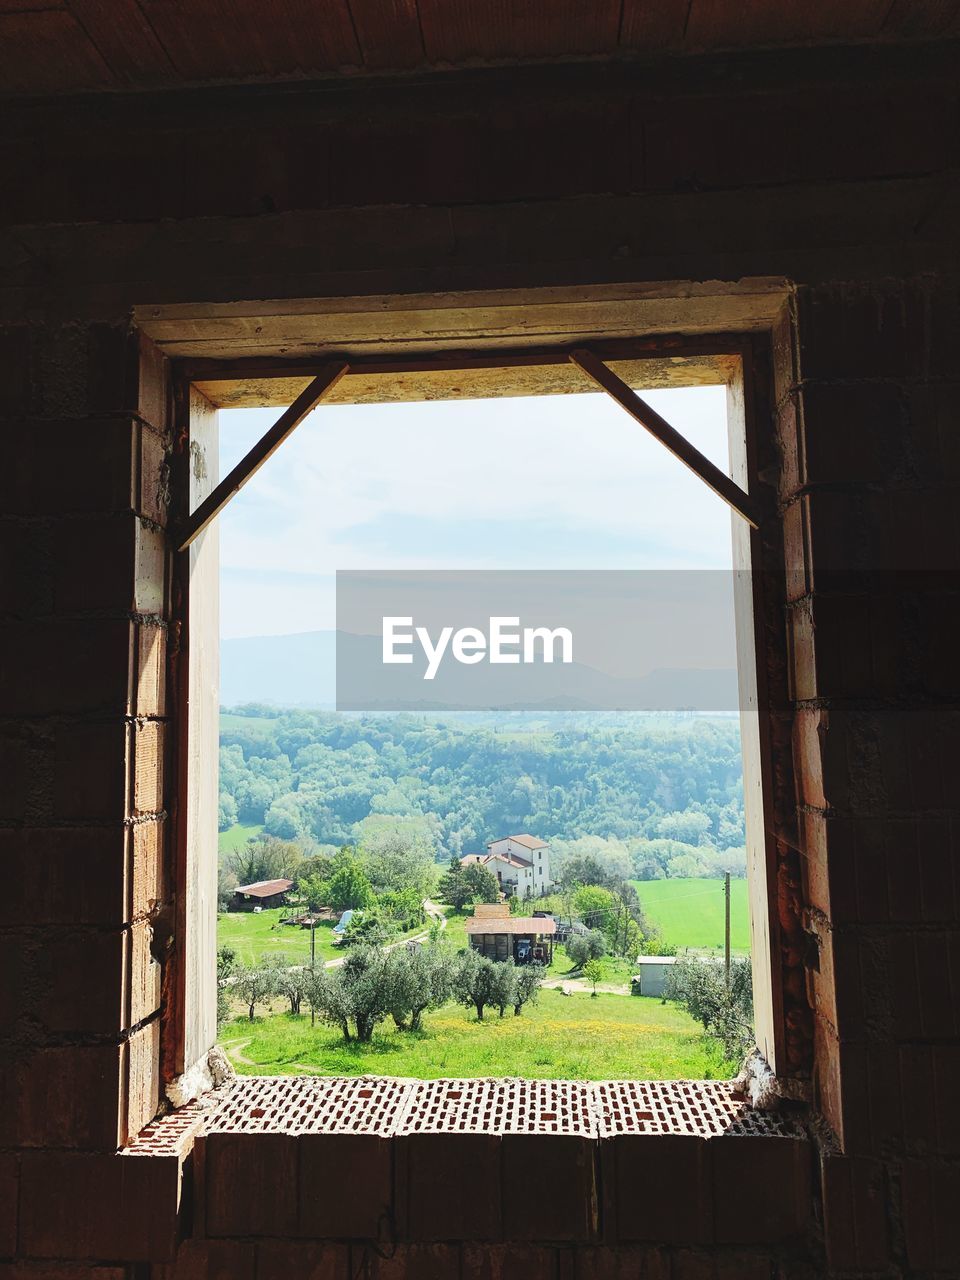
26	569
332	1166
450	1186
153	384
508	1262
60	1271
857	331
143	1080
90	771
65	668
872	1091
855	1214
79	466
933	412
154	477
17	778
147	874
854	433
109	563
251	1183
761	1188
68	1097
931	1193
657	1187
211	1260
405	1261
64	875
14	965
549	1187
123	1208
9	1202
622	1262
281	1259
83	983
150	677
148	766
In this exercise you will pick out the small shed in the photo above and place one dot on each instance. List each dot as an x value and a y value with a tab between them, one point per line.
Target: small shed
495	933
264	893
652	973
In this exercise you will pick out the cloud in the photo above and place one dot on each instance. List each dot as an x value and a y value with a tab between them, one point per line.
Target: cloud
552	482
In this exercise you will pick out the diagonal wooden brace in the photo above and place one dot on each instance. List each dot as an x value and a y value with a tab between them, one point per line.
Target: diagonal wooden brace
248	466
678	445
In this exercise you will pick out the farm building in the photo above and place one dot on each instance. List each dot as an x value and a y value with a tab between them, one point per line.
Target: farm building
499	935
520	863
651	976
263	893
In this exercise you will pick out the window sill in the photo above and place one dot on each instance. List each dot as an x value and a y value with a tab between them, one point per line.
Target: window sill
384	1160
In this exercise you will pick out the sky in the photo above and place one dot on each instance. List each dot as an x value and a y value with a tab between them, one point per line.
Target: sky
552	482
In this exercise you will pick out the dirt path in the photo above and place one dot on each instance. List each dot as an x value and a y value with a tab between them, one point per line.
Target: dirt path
433	910
581	984
235	1048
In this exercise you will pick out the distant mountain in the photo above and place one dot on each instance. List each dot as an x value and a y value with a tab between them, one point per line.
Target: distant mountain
284	671
300	670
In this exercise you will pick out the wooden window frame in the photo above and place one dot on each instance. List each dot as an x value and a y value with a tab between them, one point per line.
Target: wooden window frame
741	361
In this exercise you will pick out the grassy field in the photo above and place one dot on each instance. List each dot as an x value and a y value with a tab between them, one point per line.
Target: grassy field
690	912
564	1037
254	935
238	835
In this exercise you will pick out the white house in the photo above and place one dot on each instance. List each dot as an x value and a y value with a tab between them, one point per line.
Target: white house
523	861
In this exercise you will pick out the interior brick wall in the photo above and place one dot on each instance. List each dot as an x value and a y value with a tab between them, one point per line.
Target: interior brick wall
835	172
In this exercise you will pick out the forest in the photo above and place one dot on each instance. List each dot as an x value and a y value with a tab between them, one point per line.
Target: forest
648	796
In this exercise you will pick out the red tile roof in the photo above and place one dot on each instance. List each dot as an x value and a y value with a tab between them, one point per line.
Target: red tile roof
264	888
528	842
515	924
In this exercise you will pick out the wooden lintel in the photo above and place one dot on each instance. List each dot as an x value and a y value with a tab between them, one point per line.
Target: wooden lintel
249	465
679	445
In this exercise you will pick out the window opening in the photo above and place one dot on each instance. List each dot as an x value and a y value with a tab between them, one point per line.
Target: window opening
515	939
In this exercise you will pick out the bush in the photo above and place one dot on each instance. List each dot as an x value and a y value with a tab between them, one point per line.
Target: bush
529	982
725	1012
417	979
582	947
593	972
253	985
475	981
368	929
355	992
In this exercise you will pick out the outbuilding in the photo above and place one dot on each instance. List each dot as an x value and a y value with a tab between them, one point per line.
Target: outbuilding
263	893
651	976
497	934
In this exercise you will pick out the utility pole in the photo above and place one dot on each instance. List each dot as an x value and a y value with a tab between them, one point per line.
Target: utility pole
313	962
726	942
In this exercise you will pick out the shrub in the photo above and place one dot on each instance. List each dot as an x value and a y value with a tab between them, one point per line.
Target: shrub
417	979
582	947
725	1012
354	992
593	972
529	982
475	981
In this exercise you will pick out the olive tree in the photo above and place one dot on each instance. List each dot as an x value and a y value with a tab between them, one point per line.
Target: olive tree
528	984
417	979
253	984
475	981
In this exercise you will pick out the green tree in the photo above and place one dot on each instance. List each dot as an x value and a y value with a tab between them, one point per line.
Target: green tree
594	905
724	1011
529	982
505	986
593	972
226	963
264	857
354	992
253	985
289	981
348	887
483	883
453	886
368	929
475	981
583	947
417	979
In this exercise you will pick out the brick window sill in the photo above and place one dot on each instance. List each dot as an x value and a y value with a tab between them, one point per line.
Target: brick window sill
385	1160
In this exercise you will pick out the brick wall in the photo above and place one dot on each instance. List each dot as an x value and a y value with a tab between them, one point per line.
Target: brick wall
82	738
842	181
